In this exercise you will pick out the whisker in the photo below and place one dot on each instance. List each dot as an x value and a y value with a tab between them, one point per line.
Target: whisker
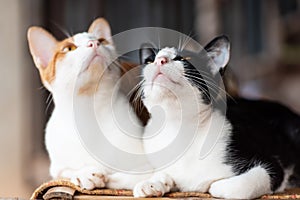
199	70
203	73
140	76
116	63
206	93
188	38
134	88
159	45
48	102
215	97
137	102
61	29
41	87
207	81
213	87
179	44
124	56
213	84
209	85
206	78
49	97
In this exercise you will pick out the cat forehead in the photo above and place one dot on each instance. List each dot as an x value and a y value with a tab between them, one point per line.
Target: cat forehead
167	52
81	39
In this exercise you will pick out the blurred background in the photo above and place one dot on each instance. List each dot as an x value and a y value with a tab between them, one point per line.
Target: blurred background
265	60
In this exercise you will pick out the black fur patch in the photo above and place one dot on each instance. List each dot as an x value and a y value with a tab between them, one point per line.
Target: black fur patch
197	80
263	133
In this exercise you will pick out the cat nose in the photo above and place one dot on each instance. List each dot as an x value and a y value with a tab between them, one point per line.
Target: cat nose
93	44
161	61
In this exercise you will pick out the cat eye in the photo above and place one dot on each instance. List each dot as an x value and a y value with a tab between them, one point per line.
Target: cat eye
180	58
177	58
149	61
103	41
69	48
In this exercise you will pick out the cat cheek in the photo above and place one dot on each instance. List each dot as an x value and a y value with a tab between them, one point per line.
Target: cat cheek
150	69
148	75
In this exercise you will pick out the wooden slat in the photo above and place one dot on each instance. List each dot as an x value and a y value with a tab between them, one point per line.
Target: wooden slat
60	193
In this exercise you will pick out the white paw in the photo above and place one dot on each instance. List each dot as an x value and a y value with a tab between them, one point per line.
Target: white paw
89	178
230	189
157	186
252	184
149	189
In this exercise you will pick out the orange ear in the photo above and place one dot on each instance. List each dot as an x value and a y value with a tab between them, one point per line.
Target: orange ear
101	29
42	46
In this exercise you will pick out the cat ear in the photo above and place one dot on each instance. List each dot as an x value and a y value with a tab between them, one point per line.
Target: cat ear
101	29
145	52
42	46
218	50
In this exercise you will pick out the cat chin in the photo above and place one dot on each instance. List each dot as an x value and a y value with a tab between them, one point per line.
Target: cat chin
158	96
95	61
157	90
163	80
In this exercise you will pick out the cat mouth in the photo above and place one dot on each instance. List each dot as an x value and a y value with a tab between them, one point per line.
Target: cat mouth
161	77
95	60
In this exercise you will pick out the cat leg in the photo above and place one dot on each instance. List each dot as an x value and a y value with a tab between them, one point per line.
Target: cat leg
156	186
251	184
88	177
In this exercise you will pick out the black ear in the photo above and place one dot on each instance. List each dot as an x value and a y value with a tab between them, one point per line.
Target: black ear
219	51
147	53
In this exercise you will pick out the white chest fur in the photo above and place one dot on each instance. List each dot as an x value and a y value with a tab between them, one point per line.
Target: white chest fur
188	170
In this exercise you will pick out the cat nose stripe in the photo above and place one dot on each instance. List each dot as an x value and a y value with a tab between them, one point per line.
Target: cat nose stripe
93	43
161	61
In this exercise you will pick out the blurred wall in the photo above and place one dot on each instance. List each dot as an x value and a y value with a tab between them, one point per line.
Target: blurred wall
13	102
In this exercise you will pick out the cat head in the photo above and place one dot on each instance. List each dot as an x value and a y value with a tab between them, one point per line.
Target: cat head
81	59
169	72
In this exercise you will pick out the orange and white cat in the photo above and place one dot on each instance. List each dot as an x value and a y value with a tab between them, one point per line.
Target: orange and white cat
83	69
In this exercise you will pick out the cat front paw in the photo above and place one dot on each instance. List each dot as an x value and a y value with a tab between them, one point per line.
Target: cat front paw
89	178
157	186
149	189
230	189
249	185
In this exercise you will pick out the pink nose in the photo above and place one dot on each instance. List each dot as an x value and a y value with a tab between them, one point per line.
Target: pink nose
161	61
93	44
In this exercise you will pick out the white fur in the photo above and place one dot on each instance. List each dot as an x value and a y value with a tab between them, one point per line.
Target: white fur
158	185
249	185
68	156
184	108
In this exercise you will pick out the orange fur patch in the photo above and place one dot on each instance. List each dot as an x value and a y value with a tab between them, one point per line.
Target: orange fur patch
127	66
91	86
48	73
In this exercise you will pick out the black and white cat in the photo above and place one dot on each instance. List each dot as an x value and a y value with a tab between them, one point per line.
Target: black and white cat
258	148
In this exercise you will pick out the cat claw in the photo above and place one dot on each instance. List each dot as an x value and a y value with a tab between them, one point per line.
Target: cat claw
89	178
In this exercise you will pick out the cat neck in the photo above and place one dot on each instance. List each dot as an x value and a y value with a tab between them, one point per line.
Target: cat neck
104	92
186	109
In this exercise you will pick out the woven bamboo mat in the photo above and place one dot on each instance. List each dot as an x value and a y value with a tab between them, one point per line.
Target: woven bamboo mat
63	189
